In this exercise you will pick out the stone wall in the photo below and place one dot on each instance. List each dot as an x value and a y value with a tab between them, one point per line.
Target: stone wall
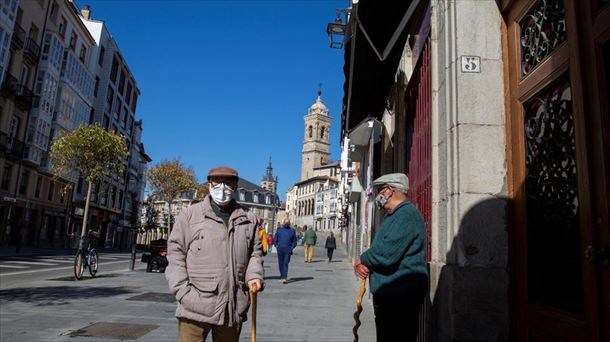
469	279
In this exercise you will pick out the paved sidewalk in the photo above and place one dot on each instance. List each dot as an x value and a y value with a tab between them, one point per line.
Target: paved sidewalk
317	305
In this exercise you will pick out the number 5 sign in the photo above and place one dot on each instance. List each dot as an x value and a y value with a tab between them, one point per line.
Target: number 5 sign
471	64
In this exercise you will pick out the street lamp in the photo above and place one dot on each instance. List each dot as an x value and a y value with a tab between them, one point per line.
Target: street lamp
336	31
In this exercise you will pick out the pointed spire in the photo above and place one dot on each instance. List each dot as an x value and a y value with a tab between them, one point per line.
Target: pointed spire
319	90
269	174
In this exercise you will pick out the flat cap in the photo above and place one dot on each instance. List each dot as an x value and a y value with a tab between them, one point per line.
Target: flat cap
398	181
222	171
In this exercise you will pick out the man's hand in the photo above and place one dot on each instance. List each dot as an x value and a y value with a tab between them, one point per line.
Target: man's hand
361	270
254	285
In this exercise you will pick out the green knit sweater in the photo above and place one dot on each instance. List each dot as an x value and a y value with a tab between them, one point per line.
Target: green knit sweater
396	258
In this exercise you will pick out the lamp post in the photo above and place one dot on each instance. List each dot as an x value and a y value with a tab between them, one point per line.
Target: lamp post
337	31
274	205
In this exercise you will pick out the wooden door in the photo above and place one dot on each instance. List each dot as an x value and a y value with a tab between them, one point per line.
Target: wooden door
558	168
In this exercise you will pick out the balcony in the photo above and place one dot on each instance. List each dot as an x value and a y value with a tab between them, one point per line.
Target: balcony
10	147
18	39
23	95
31	51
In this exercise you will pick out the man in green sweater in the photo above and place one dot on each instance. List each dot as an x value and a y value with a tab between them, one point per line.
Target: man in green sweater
396	262
310	238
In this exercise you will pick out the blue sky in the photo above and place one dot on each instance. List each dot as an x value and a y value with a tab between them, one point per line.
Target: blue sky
229	82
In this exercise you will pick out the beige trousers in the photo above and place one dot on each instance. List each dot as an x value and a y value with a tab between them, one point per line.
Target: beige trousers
193	331
308	252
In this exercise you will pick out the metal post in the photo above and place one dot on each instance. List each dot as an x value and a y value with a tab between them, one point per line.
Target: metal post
132	263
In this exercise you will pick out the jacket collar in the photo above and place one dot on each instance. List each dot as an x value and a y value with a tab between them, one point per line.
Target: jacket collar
238	215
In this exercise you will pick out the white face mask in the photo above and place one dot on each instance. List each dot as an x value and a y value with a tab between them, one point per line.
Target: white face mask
221	194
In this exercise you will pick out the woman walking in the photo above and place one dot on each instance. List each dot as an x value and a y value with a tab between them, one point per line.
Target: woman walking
331	245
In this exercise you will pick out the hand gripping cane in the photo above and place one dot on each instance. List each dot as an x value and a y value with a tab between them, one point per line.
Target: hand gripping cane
359	309
253	291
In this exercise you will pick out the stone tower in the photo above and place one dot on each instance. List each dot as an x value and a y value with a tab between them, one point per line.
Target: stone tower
316	144
269	182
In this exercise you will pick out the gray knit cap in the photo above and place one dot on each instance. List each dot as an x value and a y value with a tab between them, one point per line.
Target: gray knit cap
398	181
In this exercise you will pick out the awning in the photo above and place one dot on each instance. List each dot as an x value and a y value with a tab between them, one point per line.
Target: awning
372	53
361	135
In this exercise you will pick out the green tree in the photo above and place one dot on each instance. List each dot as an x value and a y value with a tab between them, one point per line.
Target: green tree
202	191
91	152
167	180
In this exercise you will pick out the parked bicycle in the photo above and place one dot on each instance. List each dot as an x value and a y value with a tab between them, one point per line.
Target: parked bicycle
86	258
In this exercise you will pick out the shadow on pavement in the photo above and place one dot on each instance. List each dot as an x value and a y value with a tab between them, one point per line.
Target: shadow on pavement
58	295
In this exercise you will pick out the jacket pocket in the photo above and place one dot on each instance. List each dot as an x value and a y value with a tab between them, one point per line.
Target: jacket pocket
202	298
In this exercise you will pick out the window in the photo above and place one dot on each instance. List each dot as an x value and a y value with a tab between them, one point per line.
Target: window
83	53
322	132
242	195
117	108
122	82
23	183
125	117
79	186
134	102
310	129
112	197
54	11
100	58
51	189
129	93
114	70
106	121
38	186
62	27
6	176
97	86
120	199
73	39
62	196
109	99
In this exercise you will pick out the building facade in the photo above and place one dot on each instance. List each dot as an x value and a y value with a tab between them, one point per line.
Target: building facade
498	113
51	74
116	209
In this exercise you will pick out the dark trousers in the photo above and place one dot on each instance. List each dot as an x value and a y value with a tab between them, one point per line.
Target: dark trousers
283	258
329	253
397	318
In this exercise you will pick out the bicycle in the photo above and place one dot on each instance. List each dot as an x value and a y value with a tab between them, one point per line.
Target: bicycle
86	258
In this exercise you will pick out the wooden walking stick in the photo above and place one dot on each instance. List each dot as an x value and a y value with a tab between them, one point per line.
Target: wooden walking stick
359	309
253	291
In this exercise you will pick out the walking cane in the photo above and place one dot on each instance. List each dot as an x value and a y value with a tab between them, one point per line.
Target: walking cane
253	291
359	309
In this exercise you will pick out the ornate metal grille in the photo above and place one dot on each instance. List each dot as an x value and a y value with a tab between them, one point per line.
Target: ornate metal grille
554	265
542	30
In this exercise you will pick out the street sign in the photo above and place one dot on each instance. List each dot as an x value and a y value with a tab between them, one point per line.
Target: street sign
9	199
471	64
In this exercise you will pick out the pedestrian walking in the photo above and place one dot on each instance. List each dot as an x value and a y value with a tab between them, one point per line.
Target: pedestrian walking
262	236
396	262
215	258
330	245
270	243
309	238
285	241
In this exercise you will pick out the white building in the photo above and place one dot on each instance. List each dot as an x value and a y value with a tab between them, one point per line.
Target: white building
116	96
